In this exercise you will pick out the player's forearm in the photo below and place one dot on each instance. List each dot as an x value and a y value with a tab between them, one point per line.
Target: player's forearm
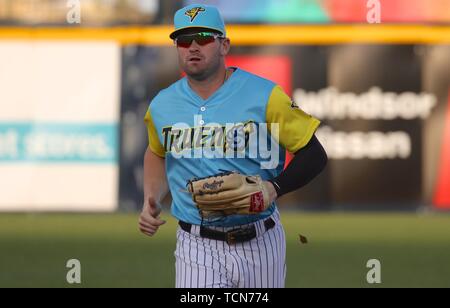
155	181
307	163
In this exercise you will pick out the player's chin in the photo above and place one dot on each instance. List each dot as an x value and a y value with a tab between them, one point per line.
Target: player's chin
195	72
194	66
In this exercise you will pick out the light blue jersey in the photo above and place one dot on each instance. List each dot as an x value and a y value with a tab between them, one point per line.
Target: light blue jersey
195	136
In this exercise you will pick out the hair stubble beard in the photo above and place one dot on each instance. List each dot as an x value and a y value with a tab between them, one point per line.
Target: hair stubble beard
209	71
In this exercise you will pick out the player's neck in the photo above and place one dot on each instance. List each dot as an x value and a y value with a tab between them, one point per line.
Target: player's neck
205	88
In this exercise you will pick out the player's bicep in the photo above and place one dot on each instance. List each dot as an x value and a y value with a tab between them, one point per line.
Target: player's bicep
294	126
153	141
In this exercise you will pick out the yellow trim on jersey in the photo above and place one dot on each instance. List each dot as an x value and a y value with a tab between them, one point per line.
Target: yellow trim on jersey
153	140
296	127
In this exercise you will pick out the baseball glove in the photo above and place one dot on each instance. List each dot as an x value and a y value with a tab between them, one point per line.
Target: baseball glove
229	193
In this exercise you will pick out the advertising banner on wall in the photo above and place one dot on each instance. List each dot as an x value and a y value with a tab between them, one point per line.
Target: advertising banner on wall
59	136
329	11
384	112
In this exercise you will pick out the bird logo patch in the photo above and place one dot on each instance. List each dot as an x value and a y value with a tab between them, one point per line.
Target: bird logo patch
192	13
294	105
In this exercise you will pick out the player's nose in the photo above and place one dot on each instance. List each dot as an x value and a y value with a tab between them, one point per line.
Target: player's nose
194	46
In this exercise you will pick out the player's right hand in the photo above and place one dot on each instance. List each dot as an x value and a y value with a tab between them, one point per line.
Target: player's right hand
149	220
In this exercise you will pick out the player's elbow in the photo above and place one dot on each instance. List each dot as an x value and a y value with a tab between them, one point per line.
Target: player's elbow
316	156
322	158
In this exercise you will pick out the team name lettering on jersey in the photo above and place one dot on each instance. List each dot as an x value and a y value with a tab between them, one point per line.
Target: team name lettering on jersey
232	140
232	135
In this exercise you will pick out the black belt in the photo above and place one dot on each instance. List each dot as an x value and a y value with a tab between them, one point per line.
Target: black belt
239	235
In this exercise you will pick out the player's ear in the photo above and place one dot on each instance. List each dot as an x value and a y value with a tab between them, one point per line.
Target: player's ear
225	46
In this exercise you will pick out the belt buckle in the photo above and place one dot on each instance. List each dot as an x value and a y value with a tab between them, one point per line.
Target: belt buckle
231	236
239	235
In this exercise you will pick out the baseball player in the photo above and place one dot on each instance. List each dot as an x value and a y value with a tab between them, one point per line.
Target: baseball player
211	137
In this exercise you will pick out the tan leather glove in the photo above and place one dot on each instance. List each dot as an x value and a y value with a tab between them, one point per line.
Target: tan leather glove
229	193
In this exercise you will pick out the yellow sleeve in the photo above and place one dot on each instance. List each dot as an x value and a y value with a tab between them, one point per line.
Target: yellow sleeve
295	127
153	140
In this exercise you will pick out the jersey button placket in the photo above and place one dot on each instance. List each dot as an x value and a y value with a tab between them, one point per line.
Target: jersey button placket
202	121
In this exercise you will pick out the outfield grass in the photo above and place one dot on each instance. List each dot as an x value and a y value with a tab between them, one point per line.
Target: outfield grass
414	250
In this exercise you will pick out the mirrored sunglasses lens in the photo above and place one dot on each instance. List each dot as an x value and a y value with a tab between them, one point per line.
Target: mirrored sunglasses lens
201	39
204	39
184	41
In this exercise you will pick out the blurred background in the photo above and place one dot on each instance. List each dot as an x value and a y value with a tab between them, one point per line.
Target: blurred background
76	78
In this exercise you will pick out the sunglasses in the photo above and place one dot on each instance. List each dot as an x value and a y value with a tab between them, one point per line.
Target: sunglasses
202	38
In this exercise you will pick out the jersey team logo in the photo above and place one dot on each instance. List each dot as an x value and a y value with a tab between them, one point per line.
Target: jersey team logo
192	13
